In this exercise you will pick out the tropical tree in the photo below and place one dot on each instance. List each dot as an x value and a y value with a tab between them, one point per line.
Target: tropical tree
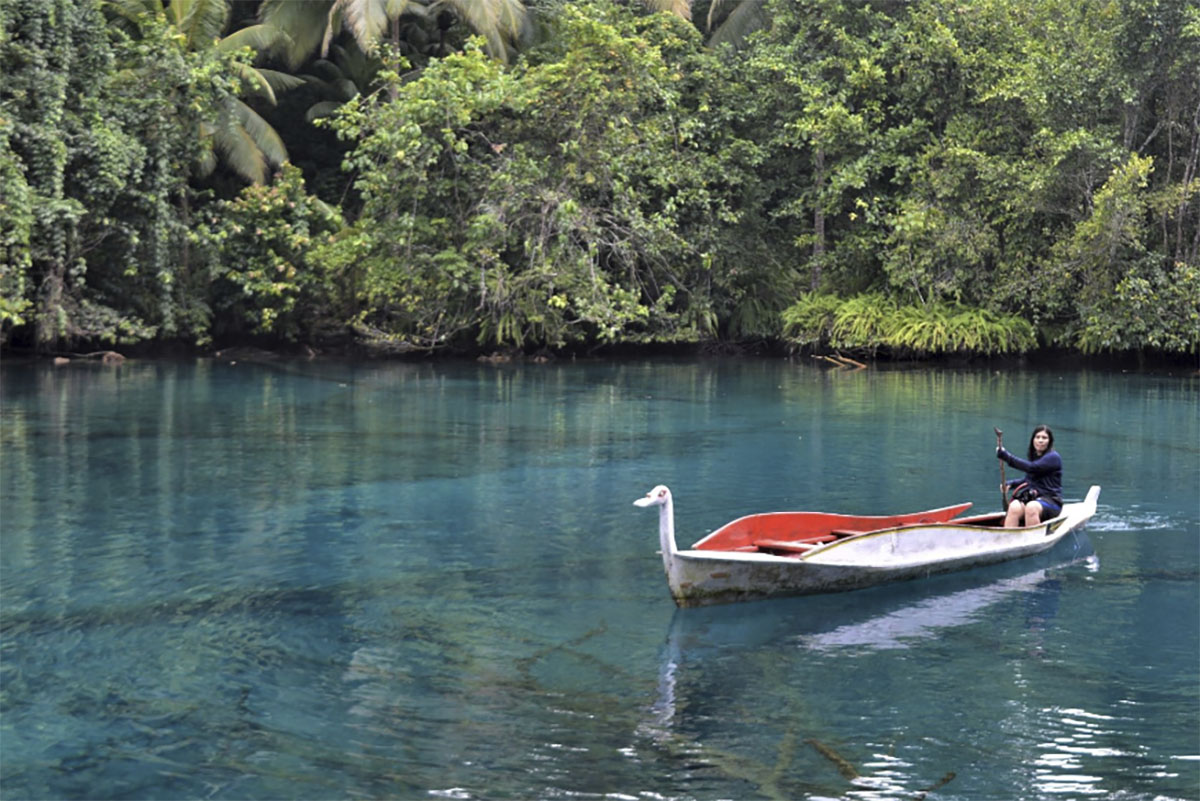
732	21
264	281
1058	184
239	135
823	68
96	135
416	28
922	177
571	199
347	73
1129	298
16	226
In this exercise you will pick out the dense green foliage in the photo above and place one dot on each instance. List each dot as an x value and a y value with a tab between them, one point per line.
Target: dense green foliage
260	245
100	138
908	179
564	200
865	323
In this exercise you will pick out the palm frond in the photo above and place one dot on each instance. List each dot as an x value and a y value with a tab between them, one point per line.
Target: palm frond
332	26
281	81
366	19
356	65
680	8
502	23
240	152
305	23
255	83
200	21
714	12
513	17
396	8
336	87
323	108
747	17
258	38
132	10
347	76
322	70
265	138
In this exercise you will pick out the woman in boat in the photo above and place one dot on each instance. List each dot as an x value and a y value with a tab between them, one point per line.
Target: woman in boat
1038	496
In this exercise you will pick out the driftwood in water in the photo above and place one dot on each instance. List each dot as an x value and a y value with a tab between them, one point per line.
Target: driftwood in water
104	356
944	780
843	765
841	361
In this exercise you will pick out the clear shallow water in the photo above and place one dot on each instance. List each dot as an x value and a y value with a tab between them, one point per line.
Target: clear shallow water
317	581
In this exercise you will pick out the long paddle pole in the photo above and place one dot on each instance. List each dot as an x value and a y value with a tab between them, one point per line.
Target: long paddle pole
1003	491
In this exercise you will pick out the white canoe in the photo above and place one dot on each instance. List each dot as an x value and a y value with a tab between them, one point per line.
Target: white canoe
801	553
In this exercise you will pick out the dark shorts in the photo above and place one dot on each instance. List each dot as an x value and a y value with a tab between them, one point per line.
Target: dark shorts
1050	507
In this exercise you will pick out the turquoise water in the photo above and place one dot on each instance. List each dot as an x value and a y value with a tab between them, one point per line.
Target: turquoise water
318	581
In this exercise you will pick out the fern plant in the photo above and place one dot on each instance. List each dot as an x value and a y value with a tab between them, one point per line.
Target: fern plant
868	322
863	322
808	321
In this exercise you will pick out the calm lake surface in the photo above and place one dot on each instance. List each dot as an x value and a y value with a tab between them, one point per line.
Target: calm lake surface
341	581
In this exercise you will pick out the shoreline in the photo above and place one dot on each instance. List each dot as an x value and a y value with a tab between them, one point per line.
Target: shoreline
1182	365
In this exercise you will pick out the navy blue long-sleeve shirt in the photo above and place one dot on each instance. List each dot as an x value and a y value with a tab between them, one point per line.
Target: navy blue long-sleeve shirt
1044	473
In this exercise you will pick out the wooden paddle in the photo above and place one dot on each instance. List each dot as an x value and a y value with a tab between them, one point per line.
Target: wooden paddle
1003	491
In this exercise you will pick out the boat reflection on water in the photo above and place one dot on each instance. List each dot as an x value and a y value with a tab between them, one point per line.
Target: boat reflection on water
805	649
926	617
880	618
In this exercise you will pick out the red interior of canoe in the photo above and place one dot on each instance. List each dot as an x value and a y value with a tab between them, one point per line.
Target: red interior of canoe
810	528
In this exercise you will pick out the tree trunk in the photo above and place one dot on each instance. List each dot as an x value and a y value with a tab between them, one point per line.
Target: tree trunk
818	251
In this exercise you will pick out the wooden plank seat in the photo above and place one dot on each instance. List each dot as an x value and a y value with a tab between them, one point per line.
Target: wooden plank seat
783	545
977	520
794	546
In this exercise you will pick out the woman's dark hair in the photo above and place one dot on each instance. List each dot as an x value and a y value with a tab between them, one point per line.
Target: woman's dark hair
1033	454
